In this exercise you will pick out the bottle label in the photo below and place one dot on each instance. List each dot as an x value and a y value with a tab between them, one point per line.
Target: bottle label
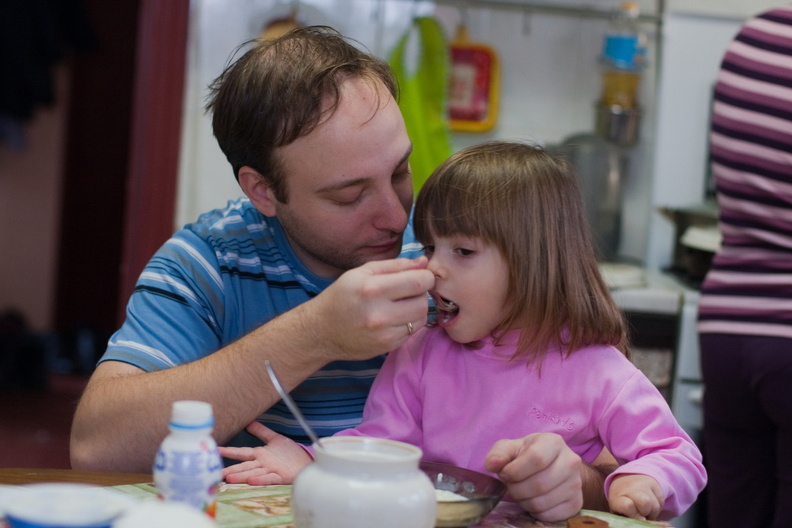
623	51
189	476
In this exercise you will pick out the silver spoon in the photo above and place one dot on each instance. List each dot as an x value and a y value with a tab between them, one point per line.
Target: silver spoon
290	403
446	306
439	304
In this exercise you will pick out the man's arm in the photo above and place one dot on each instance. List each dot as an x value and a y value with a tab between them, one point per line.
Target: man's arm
594	476
123	414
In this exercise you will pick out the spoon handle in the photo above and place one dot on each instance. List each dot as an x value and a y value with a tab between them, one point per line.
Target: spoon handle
287	399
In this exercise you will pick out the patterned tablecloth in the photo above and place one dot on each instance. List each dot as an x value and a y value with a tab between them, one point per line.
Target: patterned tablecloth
243	506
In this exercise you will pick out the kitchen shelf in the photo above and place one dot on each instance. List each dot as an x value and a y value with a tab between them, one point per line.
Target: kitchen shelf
556	8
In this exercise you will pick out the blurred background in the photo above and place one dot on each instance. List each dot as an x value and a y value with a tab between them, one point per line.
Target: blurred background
105	150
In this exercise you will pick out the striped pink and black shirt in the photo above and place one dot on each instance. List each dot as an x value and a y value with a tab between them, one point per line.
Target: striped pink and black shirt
749	288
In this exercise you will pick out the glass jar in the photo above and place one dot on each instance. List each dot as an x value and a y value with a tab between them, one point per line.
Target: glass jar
360	482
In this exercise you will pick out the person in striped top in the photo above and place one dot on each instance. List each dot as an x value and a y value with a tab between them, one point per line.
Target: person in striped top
745	309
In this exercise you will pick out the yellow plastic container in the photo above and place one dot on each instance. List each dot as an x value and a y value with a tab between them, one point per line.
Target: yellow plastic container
474	85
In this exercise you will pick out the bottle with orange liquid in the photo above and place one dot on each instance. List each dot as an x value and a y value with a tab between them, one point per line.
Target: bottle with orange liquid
623	58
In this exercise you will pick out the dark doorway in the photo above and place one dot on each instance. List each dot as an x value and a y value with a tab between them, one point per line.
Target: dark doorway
94	180
120	106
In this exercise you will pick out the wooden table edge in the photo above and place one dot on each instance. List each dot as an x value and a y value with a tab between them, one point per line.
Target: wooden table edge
18	476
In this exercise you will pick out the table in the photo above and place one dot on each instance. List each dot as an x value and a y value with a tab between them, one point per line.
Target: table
17	476
265	506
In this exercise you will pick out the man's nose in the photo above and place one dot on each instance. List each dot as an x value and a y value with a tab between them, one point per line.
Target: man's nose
390	214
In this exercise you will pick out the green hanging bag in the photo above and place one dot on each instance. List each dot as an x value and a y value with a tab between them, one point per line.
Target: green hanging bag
422	96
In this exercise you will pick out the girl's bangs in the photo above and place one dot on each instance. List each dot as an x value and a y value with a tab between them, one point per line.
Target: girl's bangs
452	212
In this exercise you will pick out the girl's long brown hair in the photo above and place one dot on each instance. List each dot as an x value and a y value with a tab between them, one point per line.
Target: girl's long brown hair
527	203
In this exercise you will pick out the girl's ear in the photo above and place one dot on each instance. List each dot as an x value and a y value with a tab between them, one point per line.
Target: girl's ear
258	190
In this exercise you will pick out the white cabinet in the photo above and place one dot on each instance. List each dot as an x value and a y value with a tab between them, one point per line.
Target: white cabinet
737	9
693	47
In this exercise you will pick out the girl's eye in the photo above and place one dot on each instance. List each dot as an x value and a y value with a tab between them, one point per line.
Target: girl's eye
465	252
428	250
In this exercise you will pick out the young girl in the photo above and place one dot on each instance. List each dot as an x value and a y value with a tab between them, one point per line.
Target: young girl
528	340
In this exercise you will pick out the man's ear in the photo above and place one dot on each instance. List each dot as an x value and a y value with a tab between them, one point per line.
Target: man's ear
258	190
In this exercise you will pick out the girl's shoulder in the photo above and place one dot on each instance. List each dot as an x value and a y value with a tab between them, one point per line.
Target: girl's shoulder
591	356
596	372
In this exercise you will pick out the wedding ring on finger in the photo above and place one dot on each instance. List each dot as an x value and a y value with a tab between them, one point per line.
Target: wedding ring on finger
409	328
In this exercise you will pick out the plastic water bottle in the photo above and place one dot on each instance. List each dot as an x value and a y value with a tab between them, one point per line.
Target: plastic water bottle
188	467
623	57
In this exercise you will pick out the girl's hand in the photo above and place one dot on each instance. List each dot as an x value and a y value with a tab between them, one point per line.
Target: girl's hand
636	496
278	462
541	473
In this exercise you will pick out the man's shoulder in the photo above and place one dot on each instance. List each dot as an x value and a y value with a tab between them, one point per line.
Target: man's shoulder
237	230
240	242
235	239
238	217
411	248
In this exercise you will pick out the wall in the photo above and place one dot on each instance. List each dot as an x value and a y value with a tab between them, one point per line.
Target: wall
549	83
695	36
29	211
218	27
73	172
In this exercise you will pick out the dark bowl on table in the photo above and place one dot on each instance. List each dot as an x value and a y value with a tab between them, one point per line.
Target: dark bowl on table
482	493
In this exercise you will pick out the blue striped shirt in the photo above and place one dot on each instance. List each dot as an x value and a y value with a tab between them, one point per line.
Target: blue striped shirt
218	279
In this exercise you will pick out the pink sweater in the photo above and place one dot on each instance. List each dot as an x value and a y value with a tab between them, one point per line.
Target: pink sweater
455	403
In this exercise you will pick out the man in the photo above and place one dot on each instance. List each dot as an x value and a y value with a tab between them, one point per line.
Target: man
302	272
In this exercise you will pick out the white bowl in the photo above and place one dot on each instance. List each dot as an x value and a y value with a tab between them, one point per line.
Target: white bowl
53	505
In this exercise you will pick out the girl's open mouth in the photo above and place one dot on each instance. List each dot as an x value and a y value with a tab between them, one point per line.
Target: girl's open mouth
446	310
444	304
